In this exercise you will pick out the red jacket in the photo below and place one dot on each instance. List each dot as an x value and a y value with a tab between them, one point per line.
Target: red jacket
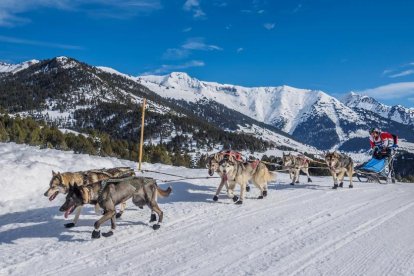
384	140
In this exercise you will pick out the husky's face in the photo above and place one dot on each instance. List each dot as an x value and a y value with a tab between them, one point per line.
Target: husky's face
332	159
227	166
73	200
213	166
55	186
287	160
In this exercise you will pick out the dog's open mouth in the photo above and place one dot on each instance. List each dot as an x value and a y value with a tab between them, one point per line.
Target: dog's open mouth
52	197
69	211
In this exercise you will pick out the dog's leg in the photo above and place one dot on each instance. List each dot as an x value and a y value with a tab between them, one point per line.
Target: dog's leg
335	186
153	216
113	226
223	181
297	175
75	220
292	176
350	175
155	208
242	192
121	210
306	171
230	191
109	212
262	188
341	179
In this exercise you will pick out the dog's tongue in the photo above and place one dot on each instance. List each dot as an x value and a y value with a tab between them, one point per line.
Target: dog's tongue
225	177
68	211
52	197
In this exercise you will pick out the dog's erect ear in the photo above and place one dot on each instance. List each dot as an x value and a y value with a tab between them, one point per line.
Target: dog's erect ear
53	173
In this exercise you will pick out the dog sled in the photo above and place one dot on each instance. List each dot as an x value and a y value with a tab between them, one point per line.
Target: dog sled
378	170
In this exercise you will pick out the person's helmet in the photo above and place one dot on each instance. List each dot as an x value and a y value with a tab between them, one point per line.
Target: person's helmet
374	129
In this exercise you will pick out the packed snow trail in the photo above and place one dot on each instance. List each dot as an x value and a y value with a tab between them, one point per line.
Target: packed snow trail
308	229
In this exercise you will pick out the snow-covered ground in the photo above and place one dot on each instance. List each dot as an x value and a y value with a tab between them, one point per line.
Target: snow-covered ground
308	229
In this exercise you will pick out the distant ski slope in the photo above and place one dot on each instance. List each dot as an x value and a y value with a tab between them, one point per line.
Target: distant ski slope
308	229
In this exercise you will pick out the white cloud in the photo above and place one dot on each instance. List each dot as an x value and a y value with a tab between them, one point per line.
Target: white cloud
402	74
11	10
186	30
176	53
239	50
269	26
185	50
15	40
167	68
399	90
199	44
400	71
194	7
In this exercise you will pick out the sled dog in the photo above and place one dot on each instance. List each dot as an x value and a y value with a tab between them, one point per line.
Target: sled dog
111	192
338	165
61	182
213	165
295	164
235	172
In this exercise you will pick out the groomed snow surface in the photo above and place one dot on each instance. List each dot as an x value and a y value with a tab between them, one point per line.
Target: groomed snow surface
308	229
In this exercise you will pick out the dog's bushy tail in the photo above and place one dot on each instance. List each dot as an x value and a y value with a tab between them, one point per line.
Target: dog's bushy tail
164	193
270	176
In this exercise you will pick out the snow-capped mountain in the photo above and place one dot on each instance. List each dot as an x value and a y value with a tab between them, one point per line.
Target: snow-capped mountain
396	113
284	107
14	68
78	96
310	116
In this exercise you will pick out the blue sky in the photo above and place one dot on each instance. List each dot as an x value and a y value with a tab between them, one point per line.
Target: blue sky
334	46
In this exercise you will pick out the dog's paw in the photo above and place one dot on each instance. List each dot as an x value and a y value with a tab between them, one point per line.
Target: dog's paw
153	218
247	188
69	225
341	184
292	184
118	215
235	198
309	180
264	193
335	186
215	198
351	186
96	234
260	197
107	234
240	202
156	226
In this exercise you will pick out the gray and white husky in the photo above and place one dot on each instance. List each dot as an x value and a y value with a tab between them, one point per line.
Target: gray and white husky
109	193
295	164
339	164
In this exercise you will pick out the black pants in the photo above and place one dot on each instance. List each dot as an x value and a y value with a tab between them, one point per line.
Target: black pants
381	154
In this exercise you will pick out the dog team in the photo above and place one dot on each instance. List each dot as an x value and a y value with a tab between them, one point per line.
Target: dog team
107	188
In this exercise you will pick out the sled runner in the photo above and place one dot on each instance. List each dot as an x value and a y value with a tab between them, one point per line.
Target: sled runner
378	170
